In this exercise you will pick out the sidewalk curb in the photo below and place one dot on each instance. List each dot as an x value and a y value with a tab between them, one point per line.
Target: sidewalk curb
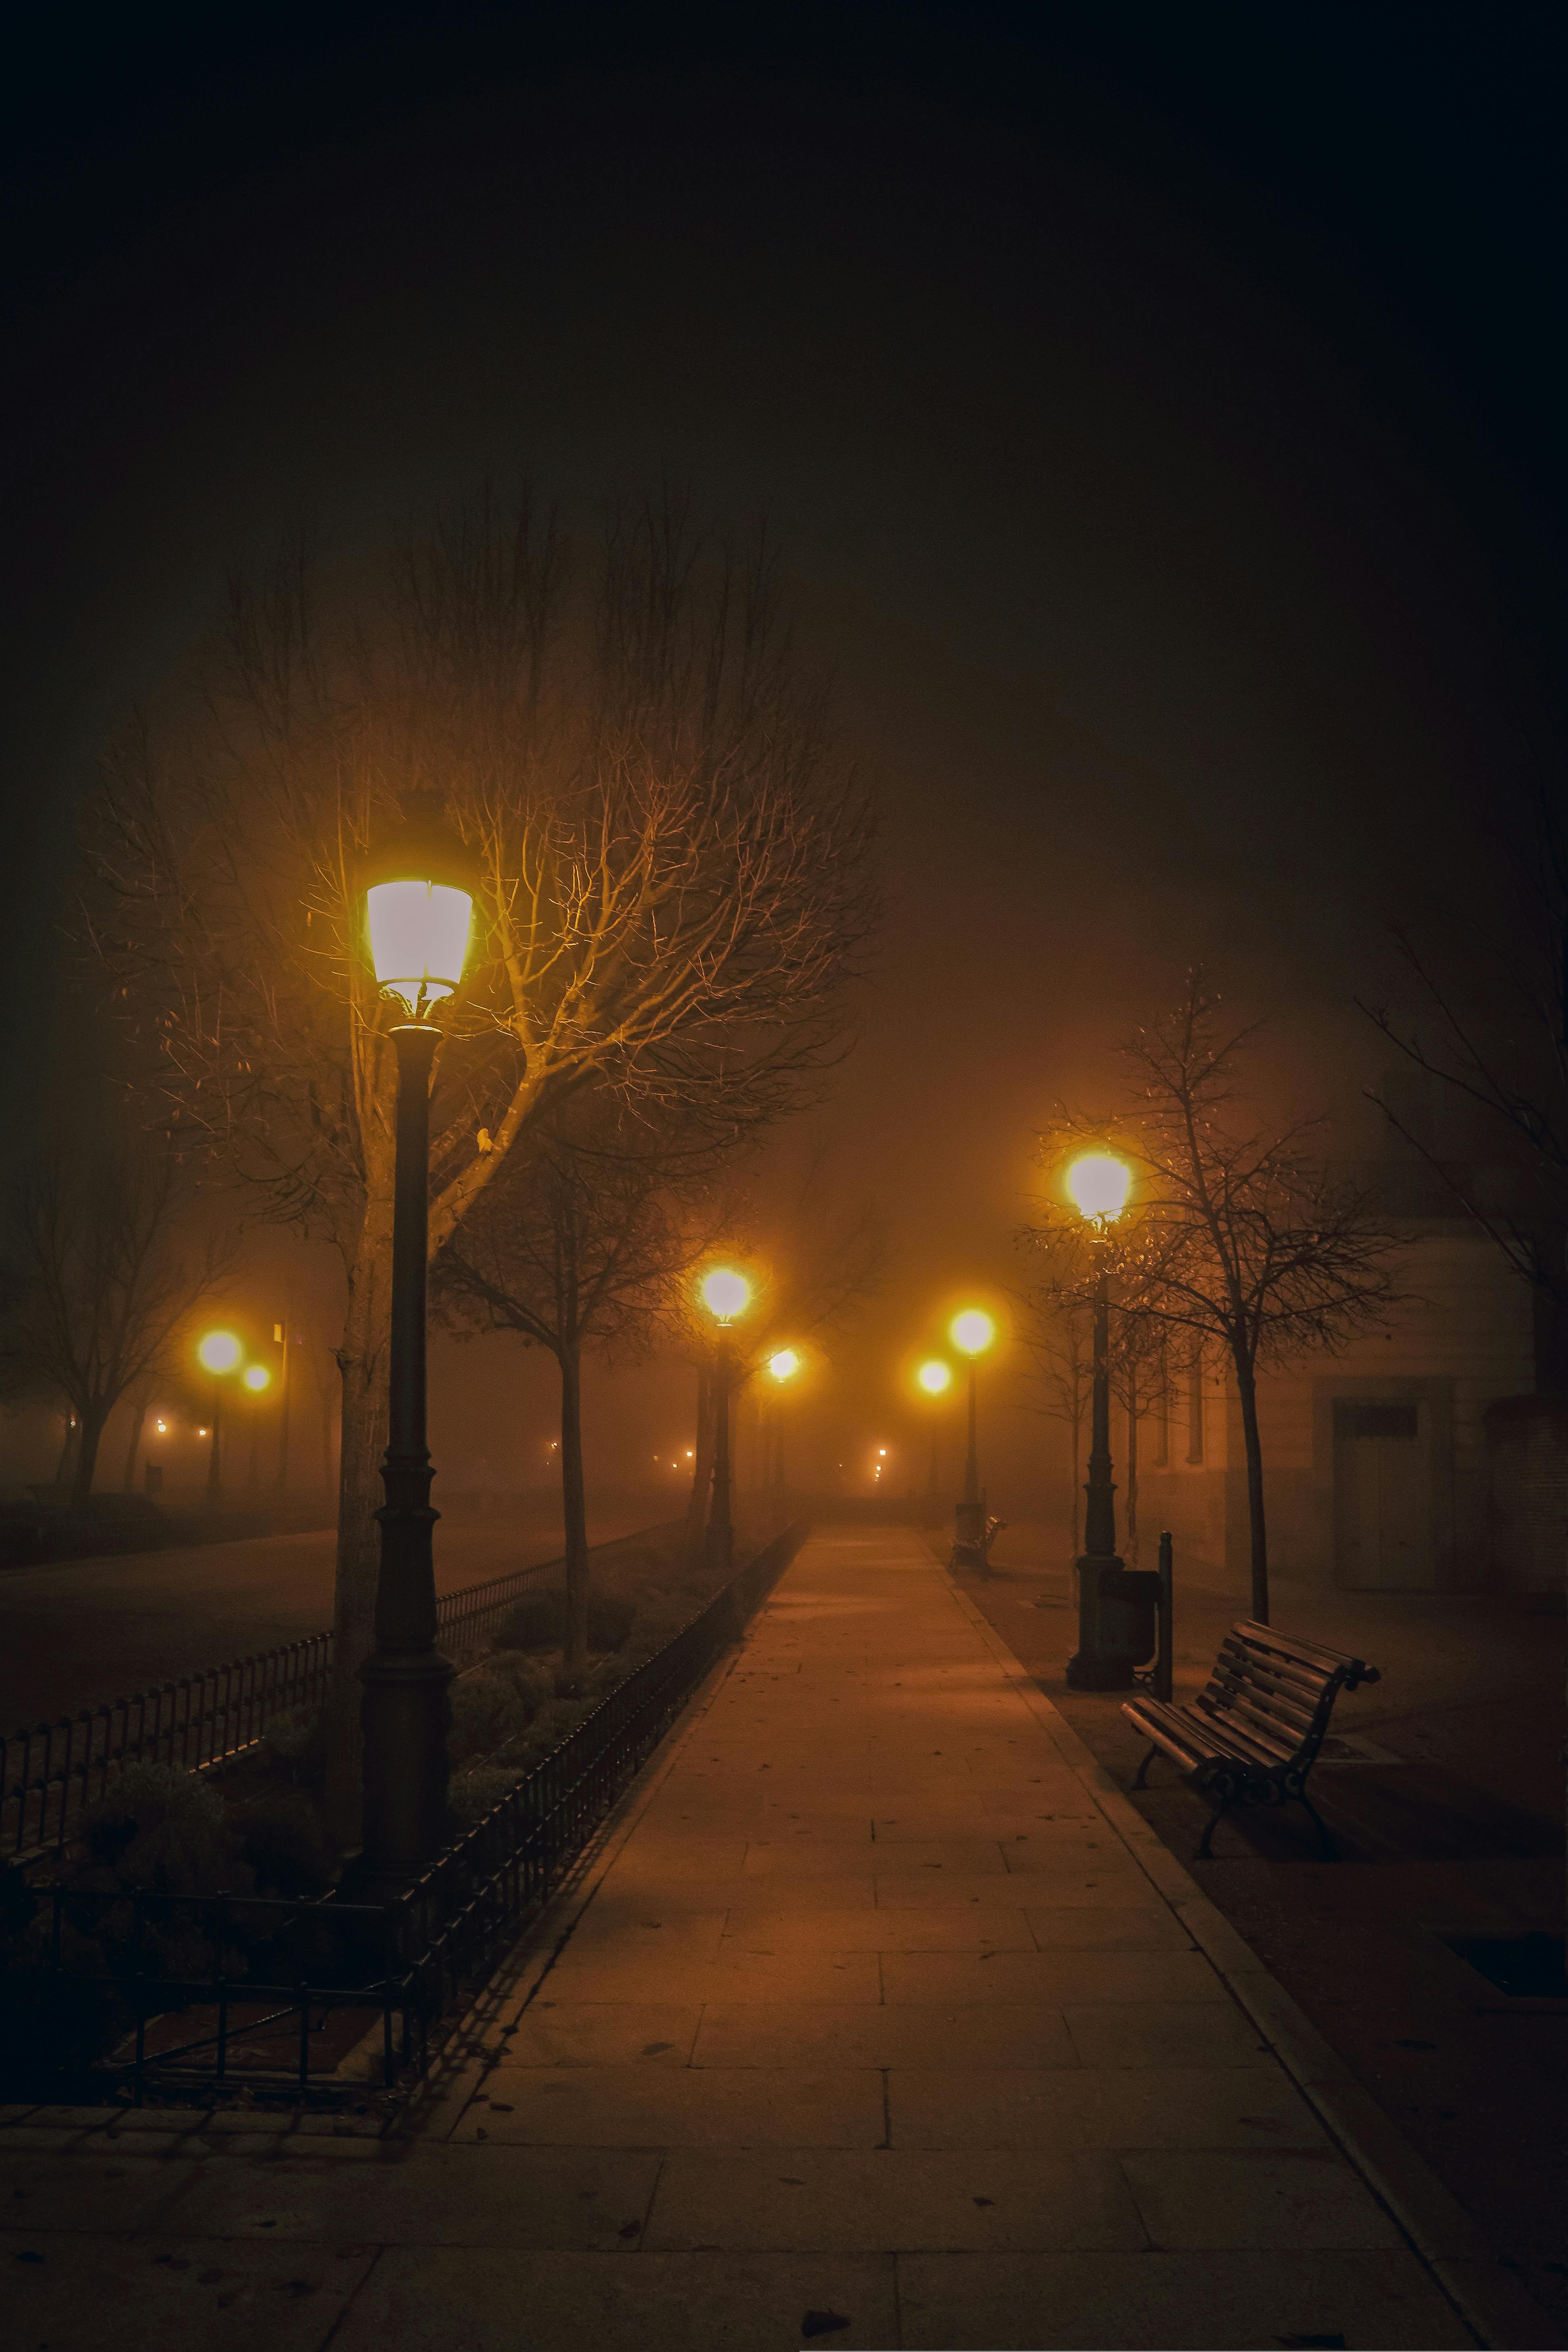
1494	2304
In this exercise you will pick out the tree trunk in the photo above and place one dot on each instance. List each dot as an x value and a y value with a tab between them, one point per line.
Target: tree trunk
574	1512
68	1450
91	1431
1248	1390
1132	1466
363	1363
703	1450
137	1423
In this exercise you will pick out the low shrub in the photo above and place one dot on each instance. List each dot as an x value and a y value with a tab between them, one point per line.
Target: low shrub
532	1682
157	1831
538	1619
283	1844
487	1711
294	1748
471	1794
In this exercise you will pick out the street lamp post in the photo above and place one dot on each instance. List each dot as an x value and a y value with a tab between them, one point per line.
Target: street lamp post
1115	1604
782	1366
725	1294
419	888
934	1379
218	1352
972	1332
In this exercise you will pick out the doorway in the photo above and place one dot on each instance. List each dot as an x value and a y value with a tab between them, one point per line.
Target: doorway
1382	1494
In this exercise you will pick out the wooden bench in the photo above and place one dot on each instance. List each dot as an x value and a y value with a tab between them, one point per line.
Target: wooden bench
1253	1732
972	1554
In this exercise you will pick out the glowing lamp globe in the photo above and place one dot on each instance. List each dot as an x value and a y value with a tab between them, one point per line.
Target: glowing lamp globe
256	1377
419	885
725	1292
972	1332
1099	1185
218	1351
935	1378
784	1365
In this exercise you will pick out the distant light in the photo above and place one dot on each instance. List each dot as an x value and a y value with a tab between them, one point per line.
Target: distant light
972	1331
200	1433
256	1377
725	1292
690	1454
883	1451
1099	1183
219	1352
935	1377
162	1427
784	1365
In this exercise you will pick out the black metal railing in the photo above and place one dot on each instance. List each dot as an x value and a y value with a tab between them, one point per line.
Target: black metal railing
226	1990
49	1771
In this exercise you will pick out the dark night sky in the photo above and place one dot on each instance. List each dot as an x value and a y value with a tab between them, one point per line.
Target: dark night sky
1159	409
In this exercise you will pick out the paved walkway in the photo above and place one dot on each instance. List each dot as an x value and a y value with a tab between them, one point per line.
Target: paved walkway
878	2028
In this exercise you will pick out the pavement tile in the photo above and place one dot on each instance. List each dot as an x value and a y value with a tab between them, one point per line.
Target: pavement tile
649	1858
875	2035
430	2195
601	2033
1166	2033
1037	2303
1120	2108
633	1928
659	1898
956	1857
496	2302
58	2190
1201	2199
96	2293
891	2199
1056	1977
678	2107
746	1976
949	1928
1108	1927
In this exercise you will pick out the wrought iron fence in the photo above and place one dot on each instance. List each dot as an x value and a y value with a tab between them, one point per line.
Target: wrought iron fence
225	1990
49	1771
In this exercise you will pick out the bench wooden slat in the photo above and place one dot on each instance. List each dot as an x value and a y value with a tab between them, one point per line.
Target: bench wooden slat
1224	1689
1234	1658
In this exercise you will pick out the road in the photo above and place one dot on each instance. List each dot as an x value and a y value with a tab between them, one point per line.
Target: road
83	1631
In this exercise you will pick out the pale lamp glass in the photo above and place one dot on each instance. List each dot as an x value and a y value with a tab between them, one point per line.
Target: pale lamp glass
972	1331
935	1377
256	1377
784	1365
1099	1185
219	1352
419	939
725	1293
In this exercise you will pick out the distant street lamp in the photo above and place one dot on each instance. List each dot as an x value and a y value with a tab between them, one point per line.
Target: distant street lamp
726	1295
783	1366
419	886
935	1378
972	1332
1098	1184
218	1353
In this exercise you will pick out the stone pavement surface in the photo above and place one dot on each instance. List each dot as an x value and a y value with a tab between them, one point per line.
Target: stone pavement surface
886	2023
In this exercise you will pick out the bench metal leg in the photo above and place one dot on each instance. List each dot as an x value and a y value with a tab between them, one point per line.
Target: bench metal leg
1205	1843
1330	1851
1142	1780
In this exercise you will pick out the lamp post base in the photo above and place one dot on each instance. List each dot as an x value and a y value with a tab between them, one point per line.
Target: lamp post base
405	1713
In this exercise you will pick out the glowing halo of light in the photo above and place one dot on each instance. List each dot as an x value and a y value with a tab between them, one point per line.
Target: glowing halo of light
935	1376
256	1377
972	1331
784	1365
725	1294
1098	1184
218	1351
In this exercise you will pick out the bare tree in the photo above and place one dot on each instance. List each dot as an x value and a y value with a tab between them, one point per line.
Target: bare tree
1237	1233
588	1242
1508	1073
675	889
100	1277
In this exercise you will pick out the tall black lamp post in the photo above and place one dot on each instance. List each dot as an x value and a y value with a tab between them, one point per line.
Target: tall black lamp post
1114	1610
419	887
726	1295
972	1332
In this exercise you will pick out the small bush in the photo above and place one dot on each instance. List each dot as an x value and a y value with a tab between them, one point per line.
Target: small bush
295	1748
538	1621
531	1681
158	1830
471	1794
486	1711
284	1844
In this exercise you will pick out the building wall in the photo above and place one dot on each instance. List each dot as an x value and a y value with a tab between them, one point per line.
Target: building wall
1462	1341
